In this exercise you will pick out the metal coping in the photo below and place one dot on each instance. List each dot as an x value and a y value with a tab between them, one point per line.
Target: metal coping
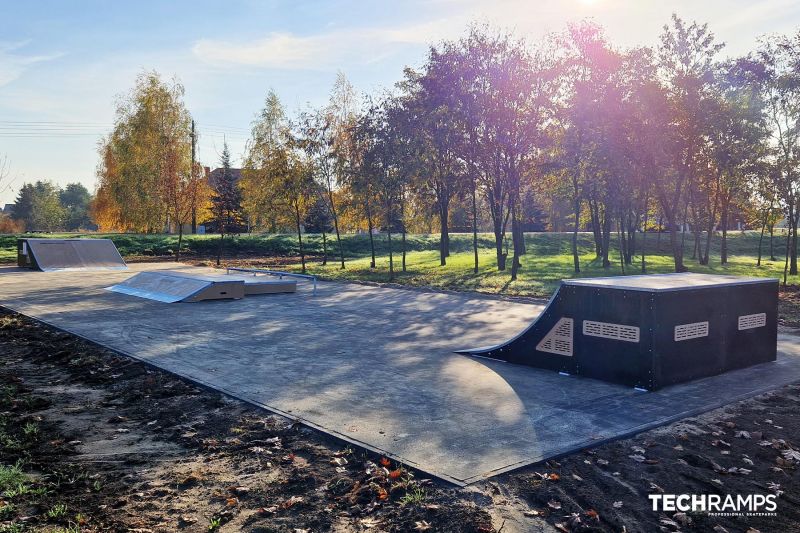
628	283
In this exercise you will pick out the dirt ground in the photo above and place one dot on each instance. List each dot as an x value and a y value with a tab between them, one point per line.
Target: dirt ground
92	441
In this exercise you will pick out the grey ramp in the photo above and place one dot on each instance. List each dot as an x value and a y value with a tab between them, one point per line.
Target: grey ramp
374	366
173	287
51	255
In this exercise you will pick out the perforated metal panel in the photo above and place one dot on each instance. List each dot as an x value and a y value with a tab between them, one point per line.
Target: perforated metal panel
695	330
607	330
559	339
758	320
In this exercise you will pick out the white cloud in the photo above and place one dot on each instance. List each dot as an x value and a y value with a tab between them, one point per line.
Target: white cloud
13	64
328	49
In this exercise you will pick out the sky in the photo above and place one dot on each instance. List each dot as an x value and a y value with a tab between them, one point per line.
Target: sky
63	65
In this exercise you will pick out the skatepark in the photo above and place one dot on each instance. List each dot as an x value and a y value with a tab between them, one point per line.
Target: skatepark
375	366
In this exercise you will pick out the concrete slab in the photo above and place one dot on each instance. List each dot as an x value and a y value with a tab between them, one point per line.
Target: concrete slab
374	366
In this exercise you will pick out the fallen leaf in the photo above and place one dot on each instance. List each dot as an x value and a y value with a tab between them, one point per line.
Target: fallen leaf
602	462
422	525
231	502
553	504
791	455
638	449
617	505
591	513
385	462
576	477
532	512
638	458
682	518
742	435
394	474
291	502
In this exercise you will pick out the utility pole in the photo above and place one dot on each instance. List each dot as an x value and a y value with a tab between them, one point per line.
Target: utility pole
194	200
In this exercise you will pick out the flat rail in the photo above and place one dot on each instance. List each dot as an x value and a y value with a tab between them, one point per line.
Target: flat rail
278	273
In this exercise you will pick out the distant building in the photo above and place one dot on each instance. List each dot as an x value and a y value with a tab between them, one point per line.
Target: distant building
8	210
217	173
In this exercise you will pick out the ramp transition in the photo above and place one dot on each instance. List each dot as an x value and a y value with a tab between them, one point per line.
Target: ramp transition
51	255
650	331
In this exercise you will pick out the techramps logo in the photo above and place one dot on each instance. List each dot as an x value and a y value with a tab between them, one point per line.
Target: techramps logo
717	504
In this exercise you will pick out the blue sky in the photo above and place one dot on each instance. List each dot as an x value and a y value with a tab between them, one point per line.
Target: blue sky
62	64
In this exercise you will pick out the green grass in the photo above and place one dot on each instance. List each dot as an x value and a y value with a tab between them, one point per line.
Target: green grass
547	261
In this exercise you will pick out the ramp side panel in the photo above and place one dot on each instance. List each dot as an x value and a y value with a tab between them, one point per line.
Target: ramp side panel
219	290
522	348
52	255
252	288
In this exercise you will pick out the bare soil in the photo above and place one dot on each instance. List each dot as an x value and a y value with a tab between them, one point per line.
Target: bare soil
109	444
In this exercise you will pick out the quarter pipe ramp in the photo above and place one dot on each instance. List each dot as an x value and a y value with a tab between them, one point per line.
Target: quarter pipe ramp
649	331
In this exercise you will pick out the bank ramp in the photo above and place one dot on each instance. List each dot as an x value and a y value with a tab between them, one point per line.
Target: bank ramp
649	331
53	255
171	286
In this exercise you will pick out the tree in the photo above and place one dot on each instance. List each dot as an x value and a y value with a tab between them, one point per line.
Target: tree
686	63
38	206
278	179
775	66
226	201
75	200
145	173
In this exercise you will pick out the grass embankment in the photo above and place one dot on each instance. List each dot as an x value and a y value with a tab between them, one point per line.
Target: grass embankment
547	261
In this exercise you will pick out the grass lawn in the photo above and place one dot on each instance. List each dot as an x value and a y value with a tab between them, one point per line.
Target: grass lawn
548	259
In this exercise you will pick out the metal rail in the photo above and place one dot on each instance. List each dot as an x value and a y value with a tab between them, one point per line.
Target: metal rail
278	273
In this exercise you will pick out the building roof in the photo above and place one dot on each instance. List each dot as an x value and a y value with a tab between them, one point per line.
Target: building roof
217	173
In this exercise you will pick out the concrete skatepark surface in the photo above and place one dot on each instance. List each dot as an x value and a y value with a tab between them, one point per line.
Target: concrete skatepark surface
375	366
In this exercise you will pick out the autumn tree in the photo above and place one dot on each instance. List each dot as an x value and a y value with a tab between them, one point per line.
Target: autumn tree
145	176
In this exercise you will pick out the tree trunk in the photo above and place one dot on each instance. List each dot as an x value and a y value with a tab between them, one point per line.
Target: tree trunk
621	241
677	249
644	234
606	240
515	240
336	227
788	240
391	258
576	262
371	240
300	237
474	226
444	242
404	248
498	241
793	252
723	247
596	230
180	242
219	246
771	242
761	240
324	249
